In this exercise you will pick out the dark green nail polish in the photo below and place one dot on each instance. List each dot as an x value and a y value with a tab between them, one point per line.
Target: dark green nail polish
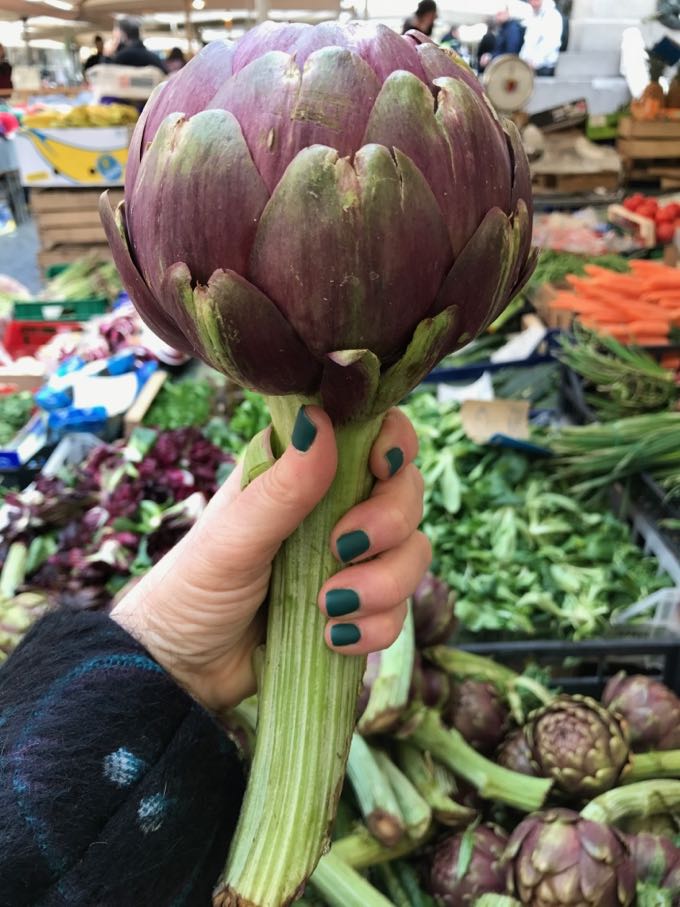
345	634
353	544
341	601
304	431
395	459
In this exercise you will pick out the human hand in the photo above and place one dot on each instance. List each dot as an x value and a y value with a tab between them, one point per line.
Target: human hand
198	610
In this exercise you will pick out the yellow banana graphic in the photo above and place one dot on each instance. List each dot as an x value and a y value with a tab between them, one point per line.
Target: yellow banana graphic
80	165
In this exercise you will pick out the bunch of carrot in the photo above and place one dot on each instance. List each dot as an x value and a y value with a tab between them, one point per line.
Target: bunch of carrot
639	307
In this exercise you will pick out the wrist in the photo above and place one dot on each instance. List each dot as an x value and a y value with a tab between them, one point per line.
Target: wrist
217	679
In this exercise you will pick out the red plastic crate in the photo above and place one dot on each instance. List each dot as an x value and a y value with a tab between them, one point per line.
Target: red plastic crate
23	338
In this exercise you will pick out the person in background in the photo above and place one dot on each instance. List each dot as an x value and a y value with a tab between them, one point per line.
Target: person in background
487	46
128	48
509	34
175	60
6	83
98	56
543	37
423	19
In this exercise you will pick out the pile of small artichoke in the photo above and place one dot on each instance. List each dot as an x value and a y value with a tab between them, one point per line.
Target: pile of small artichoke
440	782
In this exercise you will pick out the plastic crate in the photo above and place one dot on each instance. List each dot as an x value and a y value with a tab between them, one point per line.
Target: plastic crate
23	338
586	666
67	310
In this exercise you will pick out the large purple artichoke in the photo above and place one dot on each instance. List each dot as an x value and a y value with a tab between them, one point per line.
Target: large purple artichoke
478	713
558	859
467	865
298	203
650	709
578	743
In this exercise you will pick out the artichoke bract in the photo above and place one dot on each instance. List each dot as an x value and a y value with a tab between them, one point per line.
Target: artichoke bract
650	709
558	859
433	611
467	865
477	711
657	860
514	753
320	213
578	743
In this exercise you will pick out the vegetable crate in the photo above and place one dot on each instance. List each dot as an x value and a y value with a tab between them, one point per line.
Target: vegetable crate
24	338
73	310
585	666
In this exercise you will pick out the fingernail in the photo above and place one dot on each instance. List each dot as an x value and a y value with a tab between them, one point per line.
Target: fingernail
345	635
395	459
304	431
353	544
341	601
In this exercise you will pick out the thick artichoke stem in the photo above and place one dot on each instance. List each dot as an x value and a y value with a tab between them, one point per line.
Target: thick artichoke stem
661	764
492	781
645	798
307	698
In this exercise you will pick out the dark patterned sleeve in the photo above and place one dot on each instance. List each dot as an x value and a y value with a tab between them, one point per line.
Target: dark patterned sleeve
116	788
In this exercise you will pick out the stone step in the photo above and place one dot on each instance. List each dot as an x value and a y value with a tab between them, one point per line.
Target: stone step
588	35
574	64
602	95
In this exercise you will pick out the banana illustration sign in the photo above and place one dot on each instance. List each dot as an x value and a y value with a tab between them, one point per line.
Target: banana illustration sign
73	157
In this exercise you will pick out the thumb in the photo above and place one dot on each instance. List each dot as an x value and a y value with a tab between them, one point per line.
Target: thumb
241	534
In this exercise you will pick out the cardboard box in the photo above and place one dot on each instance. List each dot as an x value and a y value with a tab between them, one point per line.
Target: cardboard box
73	157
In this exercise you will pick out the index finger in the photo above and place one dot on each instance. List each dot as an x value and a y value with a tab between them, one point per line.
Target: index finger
395	447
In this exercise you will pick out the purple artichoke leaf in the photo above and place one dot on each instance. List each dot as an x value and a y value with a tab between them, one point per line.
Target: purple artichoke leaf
349	384
384	50
137	290
405	102
208	70
248	338
172	188
440	62
357	211
268	37
479	148
433	339
138	141
521	175
325	103
479	273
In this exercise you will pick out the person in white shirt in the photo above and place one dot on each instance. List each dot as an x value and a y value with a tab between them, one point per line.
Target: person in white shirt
543	37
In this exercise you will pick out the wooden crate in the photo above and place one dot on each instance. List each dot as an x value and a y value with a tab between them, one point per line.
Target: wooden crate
69	253
43	200
69	225
547	183
649	129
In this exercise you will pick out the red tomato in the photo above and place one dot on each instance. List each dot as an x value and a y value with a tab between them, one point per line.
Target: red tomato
674	207
665	233
633	202
665	215
646	210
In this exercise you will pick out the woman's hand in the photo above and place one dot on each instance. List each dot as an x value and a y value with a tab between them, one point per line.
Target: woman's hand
198	610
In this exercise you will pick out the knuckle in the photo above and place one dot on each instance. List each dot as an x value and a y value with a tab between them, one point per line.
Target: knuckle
280	492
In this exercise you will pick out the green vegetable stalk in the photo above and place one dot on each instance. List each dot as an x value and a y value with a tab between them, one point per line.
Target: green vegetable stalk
414	808
418	768
342	886
492	781
640	800
374	793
